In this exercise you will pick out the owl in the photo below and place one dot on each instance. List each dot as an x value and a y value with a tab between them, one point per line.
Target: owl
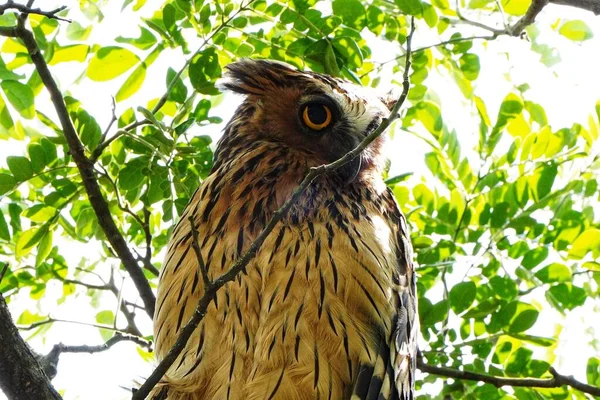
327	307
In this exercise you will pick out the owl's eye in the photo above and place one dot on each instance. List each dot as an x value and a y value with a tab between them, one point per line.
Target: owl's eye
316	116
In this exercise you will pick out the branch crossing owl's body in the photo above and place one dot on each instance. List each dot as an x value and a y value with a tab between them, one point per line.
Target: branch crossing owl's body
326	309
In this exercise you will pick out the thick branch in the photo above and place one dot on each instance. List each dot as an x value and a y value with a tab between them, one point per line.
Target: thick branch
529	18
21	376
556	381
242	262
588	5
86	171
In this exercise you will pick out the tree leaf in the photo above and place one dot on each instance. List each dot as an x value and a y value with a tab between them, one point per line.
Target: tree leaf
20	167
587	241
20	96
7	182
576	30
462	296
132	84
110	62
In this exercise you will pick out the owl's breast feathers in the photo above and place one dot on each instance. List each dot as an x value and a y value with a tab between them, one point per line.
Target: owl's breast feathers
326	309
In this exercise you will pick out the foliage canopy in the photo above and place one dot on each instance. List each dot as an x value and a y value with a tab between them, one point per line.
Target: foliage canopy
503	206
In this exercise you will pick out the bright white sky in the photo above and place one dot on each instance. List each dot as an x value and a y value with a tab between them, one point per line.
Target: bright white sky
568	91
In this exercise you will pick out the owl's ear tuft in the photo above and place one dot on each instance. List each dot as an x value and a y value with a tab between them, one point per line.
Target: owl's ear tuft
255	77
390	98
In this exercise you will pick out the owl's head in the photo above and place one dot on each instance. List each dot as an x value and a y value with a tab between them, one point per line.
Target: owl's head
319	116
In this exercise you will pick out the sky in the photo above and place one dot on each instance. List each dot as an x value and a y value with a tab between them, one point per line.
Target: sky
568	92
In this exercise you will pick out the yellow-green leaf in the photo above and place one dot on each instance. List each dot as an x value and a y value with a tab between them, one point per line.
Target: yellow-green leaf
516	7
132	84
110	62
576	30
77	52
589	240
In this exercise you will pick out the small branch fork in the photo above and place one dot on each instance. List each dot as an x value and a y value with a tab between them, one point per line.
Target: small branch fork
49	362
213	286
84	164
556	381
24	9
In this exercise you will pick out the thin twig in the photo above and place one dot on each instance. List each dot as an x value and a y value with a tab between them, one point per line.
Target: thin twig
89	181
198	252
4	269
113	119
556	381
163	99
241	263
10	5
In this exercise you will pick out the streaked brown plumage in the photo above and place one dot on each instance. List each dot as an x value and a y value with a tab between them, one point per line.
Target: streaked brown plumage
327	308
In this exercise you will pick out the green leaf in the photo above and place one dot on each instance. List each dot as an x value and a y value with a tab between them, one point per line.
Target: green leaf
411	7
430	116
28	318
352	12
44	248
469	65
204	70
132	84
20	167
587	241
201	110
4	232
7	182
178	92
110	62
106	317
515	317
88	129
554	272
576	30
20	96
517	361
134	173
7	124
330	61
37	157
28	239
350	51
462	296
504	287
535	257
593	371
49	150
143	42
77	32
567	295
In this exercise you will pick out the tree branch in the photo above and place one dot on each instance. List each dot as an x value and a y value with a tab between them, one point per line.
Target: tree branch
556	381
10	5
86	171
241	263
49	362
588	5
21	376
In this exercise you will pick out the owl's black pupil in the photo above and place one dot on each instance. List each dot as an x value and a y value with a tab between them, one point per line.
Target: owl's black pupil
317	114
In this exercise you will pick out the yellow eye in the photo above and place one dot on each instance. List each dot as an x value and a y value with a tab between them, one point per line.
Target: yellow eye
316	116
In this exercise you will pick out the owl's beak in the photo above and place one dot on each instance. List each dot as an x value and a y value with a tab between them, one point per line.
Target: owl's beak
350	170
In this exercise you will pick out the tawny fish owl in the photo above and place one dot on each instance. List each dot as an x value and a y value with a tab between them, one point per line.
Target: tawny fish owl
327	308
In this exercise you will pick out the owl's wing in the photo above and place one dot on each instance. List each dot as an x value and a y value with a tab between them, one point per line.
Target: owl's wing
392	376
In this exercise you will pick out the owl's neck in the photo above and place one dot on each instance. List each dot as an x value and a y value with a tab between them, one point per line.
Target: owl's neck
257	178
